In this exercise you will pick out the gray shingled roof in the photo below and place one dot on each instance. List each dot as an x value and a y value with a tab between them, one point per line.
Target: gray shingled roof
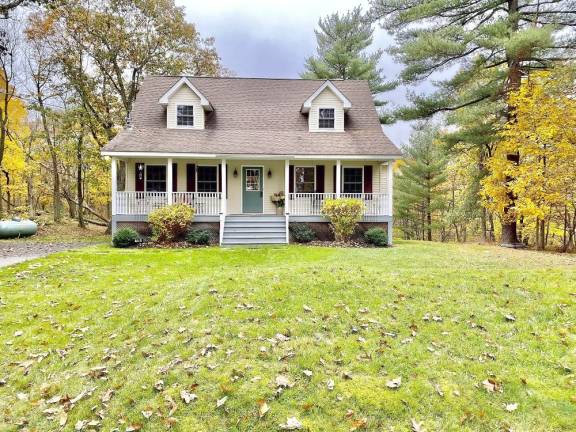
254	116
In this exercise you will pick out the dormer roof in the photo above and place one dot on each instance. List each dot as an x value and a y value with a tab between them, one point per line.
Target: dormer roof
326	85
185	82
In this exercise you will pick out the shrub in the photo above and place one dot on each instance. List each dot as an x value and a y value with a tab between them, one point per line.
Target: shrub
377	237
343	214
170	223
198	236
302	233
125	237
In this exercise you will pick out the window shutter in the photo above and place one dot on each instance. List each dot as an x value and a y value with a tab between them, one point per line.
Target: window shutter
139	173
291	179
191	177
368	179
219	178
320	178
174	177
334	179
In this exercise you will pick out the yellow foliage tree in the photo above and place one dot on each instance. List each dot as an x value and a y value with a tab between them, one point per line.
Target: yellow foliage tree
543	135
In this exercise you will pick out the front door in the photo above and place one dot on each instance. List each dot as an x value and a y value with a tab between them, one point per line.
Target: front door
252	190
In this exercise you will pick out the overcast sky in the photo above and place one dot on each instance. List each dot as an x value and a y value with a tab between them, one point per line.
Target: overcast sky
271	38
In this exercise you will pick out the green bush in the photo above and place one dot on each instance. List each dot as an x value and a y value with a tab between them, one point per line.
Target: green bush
125	237
343	214
170	223
377	237
302	233
198	236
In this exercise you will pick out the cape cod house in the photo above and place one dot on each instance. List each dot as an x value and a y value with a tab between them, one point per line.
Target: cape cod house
226	145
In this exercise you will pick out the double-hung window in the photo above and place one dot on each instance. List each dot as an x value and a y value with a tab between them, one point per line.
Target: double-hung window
207	179
326	118
184	115
156	178
352	180
305	179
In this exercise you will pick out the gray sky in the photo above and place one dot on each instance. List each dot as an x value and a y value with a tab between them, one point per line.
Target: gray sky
271	38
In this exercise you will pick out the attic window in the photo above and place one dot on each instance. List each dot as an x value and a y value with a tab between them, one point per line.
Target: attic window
185	115
326	118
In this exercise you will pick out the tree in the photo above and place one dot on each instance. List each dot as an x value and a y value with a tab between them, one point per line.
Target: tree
341	54
419	187
494	43
544	179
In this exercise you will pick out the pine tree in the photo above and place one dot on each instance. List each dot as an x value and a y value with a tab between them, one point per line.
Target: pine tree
493	42
341	54
419	188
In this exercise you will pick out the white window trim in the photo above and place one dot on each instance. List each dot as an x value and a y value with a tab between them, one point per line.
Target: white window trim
146	175
315	179
193	126
342	178
324	129
217	177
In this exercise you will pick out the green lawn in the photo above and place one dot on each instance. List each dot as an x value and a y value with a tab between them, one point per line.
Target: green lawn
230	323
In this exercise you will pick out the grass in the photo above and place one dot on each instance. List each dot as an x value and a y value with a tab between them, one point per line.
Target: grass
206	321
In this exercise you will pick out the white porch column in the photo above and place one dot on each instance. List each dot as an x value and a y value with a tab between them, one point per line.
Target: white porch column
390	200
114	172
287	187
224	191
338	177
170	180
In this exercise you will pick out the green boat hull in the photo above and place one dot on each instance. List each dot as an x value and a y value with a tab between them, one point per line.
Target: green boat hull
21	228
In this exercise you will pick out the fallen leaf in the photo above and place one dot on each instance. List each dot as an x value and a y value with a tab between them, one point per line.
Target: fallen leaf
307	308
18	333
187	397
292	423
359	424
307	372
511	407
147	414
416	426
221	402
159	385
395	383
63	418
510	317
330	384
283	381
80	425
263	408
491	385
134	427
107	396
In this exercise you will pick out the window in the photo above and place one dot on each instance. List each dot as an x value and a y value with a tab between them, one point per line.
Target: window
353	180
252	179
305	179
184	115
156	178
326	118
207	179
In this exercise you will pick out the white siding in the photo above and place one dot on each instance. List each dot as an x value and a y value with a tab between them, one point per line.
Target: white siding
326	99
184	96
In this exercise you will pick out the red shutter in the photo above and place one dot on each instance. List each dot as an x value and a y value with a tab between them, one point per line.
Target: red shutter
174	177
334	179
190	177
291	179
320	178
219	178
368	179
139	179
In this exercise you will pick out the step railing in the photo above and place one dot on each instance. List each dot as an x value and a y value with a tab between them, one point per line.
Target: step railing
310	204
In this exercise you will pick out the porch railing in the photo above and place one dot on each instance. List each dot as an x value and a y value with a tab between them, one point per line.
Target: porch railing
310	204
142	203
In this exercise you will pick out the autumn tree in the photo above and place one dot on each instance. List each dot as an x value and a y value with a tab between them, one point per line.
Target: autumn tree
491	45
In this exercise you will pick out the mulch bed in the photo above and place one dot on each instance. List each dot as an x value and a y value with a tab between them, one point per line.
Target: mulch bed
340	244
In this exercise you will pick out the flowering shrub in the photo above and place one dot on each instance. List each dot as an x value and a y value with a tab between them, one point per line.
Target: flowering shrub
278	199
170	223
343	214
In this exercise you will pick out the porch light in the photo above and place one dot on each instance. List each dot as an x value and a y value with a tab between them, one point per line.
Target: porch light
269	173
235	172
140	171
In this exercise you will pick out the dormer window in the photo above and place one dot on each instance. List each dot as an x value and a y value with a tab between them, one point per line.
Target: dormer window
184	115
326	118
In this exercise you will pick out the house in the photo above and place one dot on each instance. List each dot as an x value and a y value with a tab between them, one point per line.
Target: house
226	145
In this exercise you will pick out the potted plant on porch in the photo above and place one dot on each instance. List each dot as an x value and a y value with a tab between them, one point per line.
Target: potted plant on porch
278	200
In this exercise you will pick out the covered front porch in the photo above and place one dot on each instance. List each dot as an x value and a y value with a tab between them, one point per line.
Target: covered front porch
220	187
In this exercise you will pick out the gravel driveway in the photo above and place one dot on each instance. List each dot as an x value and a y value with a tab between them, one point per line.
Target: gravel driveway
12	252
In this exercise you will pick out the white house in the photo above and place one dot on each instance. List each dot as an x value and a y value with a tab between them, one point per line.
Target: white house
226	145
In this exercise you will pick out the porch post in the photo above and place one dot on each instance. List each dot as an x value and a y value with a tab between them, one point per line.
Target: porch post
390	209
169	181
287	198
114	173
224	191
338	178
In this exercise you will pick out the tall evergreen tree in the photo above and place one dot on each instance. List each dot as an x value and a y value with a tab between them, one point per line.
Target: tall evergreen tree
419	188
494	42
343	41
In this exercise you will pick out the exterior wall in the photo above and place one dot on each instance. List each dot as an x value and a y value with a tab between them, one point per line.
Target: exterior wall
184	96
326	99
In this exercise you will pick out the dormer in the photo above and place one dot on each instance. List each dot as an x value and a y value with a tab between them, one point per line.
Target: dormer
185	106
326	108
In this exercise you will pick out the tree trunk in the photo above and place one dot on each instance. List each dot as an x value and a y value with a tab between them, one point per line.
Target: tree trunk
79	189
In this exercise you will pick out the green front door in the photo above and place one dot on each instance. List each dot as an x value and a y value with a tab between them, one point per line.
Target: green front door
252	190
